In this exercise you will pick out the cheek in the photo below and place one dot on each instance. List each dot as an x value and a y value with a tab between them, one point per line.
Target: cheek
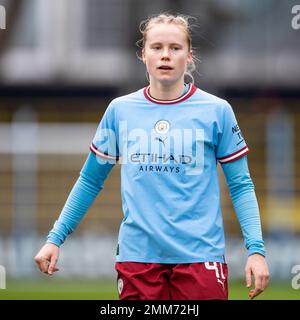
182	61
150	61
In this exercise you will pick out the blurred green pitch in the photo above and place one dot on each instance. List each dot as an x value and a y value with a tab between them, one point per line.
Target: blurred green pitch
75	289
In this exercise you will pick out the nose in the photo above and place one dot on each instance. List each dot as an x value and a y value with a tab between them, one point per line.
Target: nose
165	54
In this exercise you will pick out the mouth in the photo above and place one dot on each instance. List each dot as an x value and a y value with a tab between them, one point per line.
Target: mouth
165	68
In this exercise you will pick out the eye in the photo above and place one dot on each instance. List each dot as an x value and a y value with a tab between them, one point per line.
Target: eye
175	48
156	47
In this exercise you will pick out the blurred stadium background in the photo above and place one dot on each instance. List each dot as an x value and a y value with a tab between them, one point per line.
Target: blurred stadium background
62	61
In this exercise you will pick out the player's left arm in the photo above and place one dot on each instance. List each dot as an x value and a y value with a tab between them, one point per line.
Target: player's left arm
246	207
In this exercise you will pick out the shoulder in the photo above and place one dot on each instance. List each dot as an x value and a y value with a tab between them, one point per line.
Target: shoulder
126	99
217	102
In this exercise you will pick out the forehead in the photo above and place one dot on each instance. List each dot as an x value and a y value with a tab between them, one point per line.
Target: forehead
163	33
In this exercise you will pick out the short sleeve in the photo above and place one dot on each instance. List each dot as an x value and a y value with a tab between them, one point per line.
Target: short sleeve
231	143
105	144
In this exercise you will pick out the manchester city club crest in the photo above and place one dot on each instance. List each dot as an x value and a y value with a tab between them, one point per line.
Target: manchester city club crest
162	126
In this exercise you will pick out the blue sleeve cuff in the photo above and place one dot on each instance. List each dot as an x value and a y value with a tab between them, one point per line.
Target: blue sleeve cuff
258	250
54	240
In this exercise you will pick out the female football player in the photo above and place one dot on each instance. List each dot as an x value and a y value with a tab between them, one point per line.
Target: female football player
169	138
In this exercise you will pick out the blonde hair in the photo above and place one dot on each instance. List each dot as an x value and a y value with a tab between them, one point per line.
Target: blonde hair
179	20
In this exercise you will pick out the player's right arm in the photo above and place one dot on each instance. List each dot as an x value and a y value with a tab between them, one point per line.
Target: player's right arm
100	161
84	192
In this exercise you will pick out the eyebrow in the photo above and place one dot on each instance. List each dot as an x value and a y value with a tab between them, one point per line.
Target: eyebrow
172	44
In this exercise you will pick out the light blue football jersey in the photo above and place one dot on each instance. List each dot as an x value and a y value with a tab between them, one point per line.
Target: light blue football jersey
169	151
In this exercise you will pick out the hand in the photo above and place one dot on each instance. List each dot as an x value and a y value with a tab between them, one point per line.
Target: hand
47	257
257	266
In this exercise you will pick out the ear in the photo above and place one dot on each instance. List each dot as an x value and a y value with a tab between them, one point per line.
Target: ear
190	57
143	56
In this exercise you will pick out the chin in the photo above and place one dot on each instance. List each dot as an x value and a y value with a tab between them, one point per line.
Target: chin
166	80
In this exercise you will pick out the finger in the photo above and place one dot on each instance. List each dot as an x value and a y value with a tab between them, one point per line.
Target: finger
248	278
45	266
258	282
254	293
265	281
52	267
258	287
53	270
42	264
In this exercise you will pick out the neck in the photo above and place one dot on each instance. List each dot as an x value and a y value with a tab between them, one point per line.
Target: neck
166	92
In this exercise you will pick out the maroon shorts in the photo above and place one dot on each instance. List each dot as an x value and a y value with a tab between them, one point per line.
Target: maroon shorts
157	281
